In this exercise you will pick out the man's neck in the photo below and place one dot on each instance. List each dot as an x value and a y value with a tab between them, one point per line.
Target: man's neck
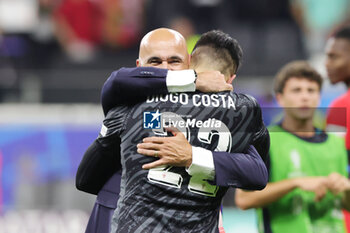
301	128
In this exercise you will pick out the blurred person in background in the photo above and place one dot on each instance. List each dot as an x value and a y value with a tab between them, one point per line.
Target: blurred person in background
308	182
44	44
205	13
338	69
78	28
122	22
186	28
316	18
263	27
27	46
83	26
18	19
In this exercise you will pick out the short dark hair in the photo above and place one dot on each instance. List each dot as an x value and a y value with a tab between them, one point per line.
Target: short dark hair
221	41
343	33
298	69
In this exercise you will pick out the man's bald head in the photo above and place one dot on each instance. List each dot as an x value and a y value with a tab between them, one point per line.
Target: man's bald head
163	48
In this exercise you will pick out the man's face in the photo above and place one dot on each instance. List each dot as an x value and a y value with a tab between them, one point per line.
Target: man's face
338	60
164	51
300	98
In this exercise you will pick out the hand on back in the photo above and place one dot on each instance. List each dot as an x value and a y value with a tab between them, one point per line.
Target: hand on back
173	151
212	81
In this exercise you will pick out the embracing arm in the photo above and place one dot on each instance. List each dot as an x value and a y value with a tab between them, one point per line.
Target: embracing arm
131	85
261	137
240	170
99	163
244	170
102	159
261	142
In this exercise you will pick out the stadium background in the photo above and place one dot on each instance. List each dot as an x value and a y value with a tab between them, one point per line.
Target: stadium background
50	82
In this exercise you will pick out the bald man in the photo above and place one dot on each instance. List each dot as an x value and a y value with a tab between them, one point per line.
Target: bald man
163	48
156	56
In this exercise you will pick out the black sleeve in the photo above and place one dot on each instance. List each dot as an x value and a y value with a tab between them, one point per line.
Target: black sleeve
97	166
131	85
268	164
262	143
261	137
241	170
102	159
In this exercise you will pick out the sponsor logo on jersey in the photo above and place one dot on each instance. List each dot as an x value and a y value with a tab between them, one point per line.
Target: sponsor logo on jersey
152	120
295	158
157	120
209	123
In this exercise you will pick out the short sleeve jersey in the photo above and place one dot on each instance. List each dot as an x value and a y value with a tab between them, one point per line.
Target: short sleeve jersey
168	199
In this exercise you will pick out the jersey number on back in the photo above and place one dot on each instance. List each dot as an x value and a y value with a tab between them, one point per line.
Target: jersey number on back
207	134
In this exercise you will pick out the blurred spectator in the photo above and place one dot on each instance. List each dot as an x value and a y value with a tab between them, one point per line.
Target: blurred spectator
122	22
308	180
8	79
7	73
26	27
186	28
263	27
17	21
18	16
43	41
260	11
78	28
338	69
205	13
316	18
83	25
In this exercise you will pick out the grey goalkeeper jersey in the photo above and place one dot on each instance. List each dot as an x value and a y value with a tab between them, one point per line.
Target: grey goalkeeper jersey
168	199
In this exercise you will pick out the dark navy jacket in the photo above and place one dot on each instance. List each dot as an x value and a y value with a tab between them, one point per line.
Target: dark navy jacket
106	203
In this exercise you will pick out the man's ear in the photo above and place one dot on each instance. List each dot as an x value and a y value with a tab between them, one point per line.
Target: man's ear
138	63
231	79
